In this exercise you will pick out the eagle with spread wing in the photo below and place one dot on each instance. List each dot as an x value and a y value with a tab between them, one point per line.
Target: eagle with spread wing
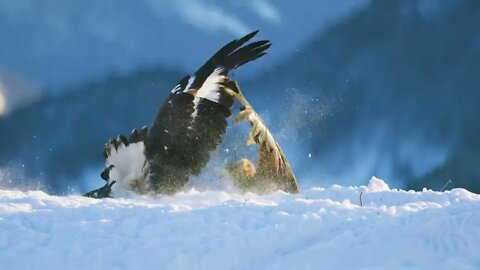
189	126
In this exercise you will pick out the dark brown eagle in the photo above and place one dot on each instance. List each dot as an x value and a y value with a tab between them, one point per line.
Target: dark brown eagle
189	126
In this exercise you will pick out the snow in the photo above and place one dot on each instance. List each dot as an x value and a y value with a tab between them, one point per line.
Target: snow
320	228
376	184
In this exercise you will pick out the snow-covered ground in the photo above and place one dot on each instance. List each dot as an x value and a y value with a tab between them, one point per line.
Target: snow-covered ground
320	228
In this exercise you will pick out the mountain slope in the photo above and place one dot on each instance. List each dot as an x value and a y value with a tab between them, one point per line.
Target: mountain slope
59	137
397	87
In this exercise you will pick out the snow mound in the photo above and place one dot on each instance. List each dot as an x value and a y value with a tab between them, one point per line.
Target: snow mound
320	228
376	184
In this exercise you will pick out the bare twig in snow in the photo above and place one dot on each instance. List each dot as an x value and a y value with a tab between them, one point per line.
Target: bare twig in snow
446	184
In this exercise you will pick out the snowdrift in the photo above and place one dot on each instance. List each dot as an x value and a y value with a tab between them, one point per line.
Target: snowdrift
320	228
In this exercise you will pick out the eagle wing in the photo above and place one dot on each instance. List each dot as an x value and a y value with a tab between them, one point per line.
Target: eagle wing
192	121
188	127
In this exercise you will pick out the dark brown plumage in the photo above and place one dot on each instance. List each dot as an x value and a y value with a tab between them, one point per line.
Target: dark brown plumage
190	125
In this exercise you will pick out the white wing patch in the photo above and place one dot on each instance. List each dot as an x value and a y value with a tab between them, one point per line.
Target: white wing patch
190	81
178	88
196	100
129	167
209	89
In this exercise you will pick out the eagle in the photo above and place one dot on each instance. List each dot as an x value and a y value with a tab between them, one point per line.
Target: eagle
188	127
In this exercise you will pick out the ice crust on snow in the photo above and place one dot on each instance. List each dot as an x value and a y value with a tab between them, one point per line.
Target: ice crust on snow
320	228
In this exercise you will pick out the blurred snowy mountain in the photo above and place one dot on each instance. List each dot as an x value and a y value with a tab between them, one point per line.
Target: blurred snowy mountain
379	88
63	43
398	86
15	92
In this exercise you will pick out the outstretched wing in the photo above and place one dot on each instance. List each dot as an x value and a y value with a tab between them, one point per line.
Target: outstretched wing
192	120
273	171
